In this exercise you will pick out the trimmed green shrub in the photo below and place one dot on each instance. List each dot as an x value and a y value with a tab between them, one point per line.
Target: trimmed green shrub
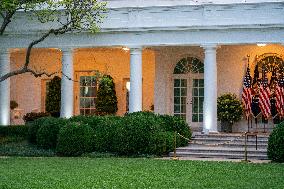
53	97
275	149
105	132
13	134
33	128
162	143
14	130
173	123
29	117
47	133
75	139
136	135
106	99
90	120
104	128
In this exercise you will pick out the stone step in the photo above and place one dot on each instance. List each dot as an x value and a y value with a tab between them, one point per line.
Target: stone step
223	140
224	135
219	155
234	145
221	150
224	145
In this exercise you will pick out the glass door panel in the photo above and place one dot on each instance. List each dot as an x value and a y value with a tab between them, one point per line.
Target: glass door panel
180	97
197	100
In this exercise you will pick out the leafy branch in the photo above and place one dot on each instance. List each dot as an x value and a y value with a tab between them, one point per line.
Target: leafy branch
77	16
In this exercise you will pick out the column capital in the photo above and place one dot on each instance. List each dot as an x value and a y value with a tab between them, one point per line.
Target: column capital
66	49
135	49
209	46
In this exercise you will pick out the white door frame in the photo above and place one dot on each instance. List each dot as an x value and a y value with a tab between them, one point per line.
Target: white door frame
189	77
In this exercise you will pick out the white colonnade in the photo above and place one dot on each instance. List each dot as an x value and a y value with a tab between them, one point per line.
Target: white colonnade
210	89
67	101
4	88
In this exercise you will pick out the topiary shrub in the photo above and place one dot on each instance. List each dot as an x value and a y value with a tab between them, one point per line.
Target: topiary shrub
33	128
275	149
48	132
29	117
229	111
75	139
106	98
53	97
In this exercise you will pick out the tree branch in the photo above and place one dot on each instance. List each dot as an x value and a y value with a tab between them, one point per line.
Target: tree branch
6	20
26	70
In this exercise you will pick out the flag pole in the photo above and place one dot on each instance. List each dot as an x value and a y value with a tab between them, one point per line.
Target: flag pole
250	86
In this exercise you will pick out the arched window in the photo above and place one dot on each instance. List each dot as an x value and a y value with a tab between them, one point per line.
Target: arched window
189	65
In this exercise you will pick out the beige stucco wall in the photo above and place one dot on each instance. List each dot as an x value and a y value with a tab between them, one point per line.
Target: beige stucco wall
27	90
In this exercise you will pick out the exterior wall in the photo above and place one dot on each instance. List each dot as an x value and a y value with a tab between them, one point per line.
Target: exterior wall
231	62
115	61
27	90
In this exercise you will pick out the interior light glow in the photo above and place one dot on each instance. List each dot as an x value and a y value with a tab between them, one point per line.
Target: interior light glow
261	44
128	85
125	48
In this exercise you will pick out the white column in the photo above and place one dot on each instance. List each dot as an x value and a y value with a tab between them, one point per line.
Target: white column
135	94
4	88
210	90
66	108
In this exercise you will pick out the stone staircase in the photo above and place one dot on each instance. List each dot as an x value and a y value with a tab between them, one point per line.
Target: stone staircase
225	146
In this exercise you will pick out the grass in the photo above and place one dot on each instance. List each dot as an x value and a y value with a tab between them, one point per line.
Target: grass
75	173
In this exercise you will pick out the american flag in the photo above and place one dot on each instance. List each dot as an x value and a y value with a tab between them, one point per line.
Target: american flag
247	93
264	96
279	94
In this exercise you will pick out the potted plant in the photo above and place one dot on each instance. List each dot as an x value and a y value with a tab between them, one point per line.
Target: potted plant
229	111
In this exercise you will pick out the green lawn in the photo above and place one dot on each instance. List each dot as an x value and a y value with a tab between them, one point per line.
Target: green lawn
72	173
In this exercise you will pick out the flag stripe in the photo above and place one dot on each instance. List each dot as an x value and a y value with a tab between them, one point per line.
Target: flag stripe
247	93
264	97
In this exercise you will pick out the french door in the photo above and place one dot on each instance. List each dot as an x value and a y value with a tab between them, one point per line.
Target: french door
188	97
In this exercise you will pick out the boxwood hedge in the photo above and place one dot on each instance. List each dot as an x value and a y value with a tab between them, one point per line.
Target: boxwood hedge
275	149
134	134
